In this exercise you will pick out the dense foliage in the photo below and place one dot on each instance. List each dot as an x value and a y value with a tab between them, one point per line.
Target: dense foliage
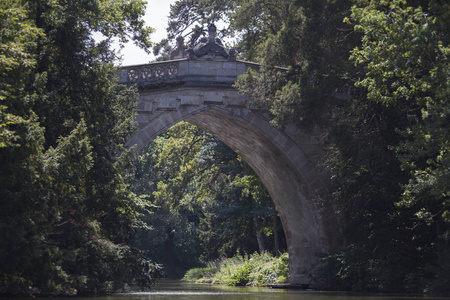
208	203
404	54
66	213
374	77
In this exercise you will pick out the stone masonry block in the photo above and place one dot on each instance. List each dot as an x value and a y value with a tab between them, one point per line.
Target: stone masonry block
167	104
189	100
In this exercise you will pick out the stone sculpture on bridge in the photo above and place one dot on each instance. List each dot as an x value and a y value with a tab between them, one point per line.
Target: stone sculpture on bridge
179	52
210	47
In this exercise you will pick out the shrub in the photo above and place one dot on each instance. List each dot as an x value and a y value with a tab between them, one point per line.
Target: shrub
257	270
196	274
270	270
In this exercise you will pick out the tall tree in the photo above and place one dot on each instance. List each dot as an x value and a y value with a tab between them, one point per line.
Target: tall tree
66	211
405	53
18	40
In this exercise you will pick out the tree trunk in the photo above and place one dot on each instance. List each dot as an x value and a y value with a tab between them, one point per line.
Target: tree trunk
169	260
276	239
259	235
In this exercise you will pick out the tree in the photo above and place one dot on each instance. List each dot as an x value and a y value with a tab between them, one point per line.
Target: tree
18	39
405	52
310	40
67	214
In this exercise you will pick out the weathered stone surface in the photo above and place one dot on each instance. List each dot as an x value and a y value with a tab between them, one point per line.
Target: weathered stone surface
201	92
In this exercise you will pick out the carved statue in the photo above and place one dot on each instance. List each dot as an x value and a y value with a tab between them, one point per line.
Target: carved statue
209	47
179	51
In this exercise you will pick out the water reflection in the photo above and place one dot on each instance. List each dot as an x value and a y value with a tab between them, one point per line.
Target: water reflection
181	291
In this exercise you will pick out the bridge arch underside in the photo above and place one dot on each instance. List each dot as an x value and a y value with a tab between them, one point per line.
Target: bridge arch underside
294	185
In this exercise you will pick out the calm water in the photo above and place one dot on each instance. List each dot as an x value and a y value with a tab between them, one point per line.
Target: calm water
180	291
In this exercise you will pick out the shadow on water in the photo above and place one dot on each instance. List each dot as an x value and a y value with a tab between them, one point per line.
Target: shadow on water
165	290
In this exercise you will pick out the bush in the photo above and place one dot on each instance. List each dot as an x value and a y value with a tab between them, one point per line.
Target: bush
228	271
257	270
275	270
195	274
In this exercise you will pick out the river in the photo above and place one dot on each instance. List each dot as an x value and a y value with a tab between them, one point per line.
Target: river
189	291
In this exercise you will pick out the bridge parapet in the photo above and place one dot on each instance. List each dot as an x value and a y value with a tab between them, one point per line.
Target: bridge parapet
208	63
189	72
150	73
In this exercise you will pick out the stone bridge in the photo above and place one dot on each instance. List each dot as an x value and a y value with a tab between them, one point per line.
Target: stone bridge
197	86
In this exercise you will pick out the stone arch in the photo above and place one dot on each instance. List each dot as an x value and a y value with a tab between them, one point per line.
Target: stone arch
299	193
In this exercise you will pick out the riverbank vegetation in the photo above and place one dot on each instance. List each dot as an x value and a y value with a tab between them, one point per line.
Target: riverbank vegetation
255	270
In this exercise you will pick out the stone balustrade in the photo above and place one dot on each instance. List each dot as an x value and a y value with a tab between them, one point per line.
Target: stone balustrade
189	72
154	72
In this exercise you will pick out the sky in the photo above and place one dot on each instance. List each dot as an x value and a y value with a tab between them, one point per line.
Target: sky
155	17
